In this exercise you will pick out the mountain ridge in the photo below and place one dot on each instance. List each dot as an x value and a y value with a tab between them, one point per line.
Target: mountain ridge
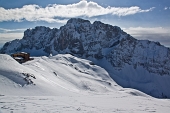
96	41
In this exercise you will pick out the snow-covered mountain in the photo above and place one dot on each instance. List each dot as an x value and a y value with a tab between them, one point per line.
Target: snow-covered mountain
139	64
67	84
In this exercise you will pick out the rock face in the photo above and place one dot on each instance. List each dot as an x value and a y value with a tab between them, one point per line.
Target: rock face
99	41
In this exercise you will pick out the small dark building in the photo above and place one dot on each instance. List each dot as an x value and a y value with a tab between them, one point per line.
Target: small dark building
21	57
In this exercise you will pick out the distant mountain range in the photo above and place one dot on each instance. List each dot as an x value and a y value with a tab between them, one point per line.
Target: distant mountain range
140	64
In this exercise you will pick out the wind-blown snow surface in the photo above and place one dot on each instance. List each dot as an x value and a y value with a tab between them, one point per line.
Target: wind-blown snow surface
64	83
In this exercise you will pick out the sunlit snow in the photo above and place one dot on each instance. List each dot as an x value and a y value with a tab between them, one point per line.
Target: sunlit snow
67	84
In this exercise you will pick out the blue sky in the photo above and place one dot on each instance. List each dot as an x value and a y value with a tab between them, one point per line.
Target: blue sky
143	19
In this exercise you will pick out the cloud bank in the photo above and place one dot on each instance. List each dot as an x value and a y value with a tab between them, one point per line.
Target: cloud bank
59	13
6	37
148	30
157	34
2	30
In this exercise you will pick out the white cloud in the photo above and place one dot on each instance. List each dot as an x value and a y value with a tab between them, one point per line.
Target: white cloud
159	34
148	30
2	30
6	37
165	8
60	13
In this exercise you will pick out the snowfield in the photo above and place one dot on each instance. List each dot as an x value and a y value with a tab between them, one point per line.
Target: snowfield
98	103
67	84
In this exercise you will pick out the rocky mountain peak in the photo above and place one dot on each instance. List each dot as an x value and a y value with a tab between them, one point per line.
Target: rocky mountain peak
77	21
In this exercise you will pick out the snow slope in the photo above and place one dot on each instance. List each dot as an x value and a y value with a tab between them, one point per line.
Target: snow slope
14	80
50	74
67	84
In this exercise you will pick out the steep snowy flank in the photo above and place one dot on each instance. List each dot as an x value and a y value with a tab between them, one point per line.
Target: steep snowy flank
133	61
53	76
